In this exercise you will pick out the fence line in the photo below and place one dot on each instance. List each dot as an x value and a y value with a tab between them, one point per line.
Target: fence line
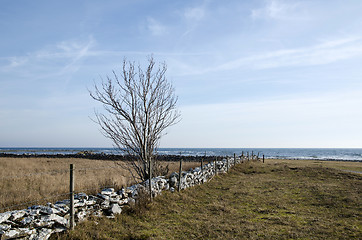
55	172
75	169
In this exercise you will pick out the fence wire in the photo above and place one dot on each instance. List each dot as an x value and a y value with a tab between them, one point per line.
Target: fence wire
62	171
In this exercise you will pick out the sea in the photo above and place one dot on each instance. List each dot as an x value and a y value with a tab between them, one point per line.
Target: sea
336	154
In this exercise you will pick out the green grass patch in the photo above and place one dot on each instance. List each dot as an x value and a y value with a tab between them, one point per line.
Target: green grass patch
253	201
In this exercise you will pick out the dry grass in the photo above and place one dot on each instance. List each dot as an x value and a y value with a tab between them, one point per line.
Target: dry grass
254	201
30	180
339	165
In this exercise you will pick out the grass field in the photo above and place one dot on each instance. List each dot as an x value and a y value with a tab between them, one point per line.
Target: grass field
29	181
276	200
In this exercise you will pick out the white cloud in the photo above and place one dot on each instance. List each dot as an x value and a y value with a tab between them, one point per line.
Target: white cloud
275	9
194	14
155	27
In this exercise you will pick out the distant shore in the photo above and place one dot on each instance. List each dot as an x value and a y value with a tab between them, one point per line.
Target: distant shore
112	157
161	157
327	154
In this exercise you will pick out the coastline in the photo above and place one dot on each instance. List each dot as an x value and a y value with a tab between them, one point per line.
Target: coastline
325	154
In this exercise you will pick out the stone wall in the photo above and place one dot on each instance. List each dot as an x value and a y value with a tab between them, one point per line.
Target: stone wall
39	222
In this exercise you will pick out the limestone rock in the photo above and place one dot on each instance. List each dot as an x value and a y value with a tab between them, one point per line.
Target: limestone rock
122	193
18	233
115	209
4	227
27	220
102	196
15	215
81	215
4	216
123	201
62	209
173	181
114	199
90	202
42	234
56	219
81	203
81	196
105	204
108	191
42	210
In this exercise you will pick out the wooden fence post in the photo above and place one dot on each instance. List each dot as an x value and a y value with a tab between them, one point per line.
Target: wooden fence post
263	158
248	156
227	164
150	181
215	173
234	159
71	196
179	176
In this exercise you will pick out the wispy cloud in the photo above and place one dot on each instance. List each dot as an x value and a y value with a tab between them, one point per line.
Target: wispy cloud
276	9
194	14
64	56
192	17
155	27
323	53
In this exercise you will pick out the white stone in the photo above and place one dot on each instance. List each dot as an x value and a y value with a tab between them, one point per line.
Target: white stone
18	233
42	234
58	219
81	203
27	220
81	216
115	209
17	214
4	227
4	216
114	199
90	202
61	208
123	201
102	196
108	191
81	196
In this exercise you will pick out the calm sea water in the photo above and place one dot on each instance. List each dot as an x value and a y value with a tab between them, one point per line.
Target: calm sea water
346	154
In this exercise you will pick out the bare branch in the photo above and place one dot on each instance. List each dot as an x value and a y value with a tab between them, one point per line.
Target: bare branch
139	106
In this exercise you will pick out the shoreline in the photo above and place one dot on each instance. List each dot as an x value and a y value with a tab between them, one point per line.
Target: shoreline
108	157
161	157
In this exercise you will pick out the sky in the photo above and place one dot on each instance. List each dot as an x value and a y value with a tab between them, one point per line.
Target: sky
262	73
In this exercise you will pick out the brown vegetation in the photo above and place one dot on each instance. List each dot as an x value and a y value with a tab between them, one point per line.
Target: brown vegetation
30	181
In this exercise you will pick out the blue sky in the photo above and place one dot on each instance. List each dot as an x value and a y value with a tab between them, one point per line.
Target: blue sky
263	73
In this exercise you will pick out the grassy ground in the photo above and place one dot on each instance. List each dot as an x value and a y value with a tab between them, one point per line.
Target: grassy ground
274	200
29	181
339	165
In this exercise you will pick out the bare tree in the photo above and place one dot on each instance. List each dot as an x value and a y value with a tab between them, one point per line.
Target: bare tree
140	105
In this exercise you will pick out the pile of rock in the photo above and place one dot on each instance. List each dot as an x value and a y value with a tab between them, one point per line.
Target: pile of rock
39	222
